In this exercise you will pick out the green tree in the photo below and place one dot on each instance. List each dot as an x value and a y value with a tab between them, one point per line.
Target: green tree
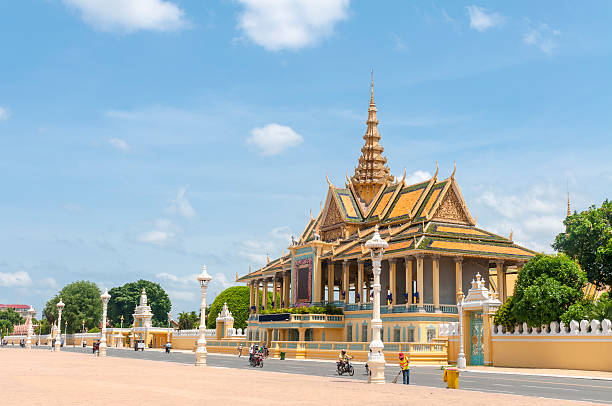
237	299
12	317
124	300
504	316
6	327
82	302
588	240
545	289
188	321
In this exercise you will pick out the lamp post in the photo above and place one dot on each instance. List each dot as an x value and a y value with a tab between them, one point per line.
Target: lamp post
105	298
461	362
39	331
66	333
168	335
122	321
204	279
82	331
58	341
31	312
377	246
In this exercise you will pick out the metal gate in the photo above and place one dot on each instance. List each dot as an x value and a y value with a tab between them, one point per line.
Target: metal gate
476	347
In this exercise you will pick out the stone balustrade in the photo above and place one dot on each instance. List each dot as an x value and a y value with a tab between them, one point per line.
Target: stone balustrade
584	327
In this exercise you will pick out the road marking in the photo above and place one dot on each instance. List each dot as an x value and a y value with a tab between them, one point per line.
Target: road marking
500	384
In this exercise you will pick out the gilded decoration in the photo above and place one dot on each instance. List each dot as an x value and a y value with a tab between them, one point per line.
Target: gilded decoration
302	281
451	209
334	216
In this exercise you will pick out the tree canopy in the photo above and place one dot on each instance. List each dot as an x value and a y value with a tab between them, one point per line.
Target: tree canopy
12	317
237	299
82	300
124	300
188	321
546	287
588	240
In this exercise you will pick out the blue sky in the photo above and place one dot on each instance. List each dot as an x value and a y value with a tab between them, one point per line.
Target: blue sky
143	139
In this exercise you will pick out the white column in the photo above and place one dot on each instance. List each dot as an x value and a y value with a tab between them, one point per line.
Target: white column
376	245
58	339
105	298
200	356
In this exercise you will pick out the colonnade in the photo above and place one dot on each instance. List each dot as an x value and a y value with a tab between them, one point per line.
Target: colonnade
356	276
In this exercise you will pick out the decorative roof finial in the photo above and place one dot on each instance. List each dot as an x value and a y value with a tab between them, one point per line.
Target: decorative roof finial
454	169
569	212
372	86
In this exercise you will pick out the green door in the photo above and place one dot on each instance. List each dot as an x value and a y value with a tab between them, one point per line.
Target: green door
476	348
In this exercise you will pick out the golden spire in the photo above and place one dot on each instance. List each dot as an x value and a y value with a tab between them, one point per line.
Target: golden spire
569	212
371	172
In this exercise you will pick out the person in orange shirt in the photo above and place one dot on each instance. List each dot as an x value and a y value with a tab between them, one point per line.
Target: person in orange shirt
405	366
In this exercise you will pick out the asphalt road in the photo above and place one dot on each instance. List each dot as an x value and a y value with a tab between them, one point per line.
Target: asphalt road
593	390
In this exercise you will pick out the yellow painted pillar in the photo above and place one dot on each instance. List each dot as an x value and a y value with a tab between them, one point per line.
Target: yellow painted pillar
393	280
330	281
265	294
501	289
345	280
420	282
458	277
250	296
436	282
359	287
257	302
408	264
317	276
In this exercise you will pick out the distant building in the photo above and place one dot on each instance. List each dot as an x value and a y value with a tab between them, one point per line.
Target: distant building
19	308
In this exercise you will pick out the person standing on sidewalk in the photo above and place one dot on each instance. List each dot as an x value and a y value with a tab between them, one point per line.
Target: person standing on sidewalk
405	366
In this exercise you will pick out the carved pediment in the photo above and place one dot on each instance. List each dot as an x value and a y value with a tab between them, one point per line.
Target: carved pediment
451	209
333	216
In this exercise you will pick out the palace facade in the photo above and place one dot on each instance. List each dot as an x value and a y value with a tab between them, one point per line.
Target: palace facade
435	251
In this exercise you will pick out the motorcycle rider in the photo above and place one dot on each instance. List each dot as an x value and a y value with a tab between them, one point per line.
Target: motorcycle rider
343	358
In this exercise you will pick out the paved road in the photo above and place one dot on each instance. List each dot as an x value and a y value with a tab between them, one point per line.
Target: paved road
593	390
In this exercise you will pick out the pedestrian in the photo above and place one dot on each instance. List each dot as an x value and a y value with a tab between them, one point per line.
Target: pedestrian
405	366
239	350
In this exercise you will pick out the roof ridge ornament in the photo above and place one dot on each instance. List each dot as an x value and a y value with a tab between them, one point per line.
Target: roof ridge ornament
454	170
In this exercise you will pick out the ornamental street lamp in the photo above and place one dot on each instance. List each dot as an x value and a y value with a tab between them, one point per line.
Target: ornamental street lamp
377	246
82	331
31	312
60	306
122	321
204	279
65	333
168	336
105	298
461	362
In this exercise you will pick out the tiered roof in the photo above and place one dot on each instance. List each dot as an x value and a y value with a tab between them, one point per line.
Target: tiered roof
427	217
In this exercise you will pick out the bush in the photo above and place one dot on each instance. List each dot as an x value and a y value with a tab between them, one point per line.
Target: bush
582	310
237	299
545	289
329	309
94	330
504	316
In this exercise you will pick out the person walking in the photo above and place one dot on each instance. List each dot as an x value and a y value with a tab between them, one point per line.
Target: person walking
405	366
239	350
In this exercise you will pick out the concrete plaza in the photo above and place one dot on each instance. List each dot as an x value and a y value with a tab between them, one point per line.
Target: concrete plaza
75	379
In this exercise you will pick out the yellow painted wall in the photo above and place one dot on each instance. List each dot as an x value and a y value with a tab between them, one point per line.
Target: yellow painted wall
586	352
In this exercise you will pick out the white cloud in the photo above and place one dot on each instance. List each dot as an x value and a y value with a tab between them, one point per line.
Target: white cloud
481	19
292	24
535	215
272	139
119	144
4	113
542	37
183	295
130	15
15	279
48	282
164	232
181	205
417	177
157	237
181	280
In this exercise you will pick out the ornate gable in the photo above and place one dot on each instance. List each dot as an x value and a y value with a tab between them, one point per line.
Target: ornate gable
451	209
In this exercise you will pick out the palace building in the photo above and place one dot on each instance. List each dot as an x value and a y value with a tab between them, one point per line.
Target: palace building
435	251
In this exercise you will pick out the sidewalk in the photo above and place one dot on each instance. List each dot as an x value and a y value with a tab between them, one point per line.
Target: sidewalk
563	373
74	379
